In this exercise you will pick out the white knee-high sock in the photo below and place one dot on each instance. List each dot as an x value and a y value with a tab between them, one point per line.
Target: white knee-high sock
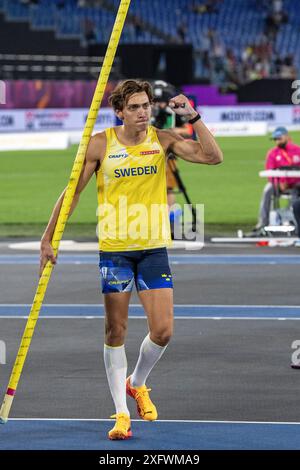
116	369
150	353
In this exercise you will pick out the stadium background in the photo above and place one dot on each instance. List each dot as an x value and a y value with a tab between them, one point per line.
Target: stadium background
236	58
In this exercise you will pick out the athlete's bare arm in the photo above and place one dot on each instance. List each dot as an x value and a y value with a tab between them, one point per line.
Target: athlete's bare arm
205	150
94	155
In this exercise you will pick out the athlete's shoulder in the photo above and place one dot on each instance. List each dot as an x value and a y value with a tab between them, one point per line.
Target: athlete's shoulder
97	146
99	138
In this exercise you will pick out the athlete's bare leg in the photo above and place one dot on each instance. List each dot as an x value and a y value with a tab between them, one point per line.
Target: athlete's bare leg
158	305
116	307
116	317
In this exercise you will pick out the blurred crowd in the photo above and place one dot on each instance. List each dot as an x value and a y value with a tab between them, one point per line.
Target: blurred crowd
223	67
214	61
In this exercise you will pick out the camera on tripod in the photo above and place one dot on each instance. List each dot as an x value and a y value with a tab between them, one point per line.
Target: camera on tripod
163	117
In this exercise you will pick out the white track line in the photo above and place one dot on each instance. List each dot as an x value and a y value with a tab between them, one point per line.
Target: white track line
71	245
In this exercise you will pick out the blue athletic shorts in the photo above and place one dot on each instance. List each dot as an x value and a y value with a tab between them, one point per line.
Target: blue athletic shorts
147	269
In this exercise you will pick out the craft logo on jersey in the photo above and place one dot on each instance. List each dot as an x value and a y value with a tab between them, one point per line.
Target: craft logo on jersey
119	155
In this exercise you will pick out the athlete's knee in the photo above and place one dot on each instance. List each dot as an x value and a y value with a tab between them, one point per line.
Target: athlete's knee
115	333
161	336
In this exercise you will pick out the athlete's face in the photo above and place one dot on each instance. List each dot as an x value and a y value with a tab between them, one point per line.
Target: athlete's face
137	111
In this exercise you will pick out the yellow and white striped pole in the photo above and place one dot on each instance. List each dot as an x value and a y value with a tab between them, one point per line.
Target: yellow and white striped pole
65	208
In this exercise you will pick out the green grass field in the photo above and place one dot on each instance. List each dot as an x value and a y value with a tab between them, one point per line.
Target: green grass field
30	183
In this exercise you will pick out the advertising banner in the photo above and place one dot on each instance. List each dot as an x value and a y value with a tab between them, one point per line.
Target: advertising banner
272	115
52	120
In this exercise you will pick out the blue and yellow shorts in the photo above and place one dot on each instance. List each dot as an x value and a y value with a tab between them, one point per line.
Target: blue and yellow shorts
147	269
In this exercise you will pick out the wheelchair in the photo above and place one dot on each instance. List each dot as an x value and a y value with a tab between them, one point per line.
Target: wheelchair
281	215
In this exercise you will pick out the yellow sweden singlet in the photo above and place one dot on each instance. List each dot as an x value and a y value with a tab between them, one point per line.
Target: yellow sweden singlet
132	197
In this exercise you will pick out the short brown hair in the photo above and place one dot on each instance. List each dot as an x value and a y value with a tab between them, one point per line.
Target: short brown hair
124	90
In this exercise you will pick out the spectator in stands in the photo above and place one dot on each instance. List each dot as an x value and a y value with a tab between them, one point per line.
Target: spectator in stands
277	6
89	31
218	62
257	61
138	26
273	22
205	47
232	68
288	69
286	153
263	49
277	64
202	55
218	53
131	31
261	69
182	30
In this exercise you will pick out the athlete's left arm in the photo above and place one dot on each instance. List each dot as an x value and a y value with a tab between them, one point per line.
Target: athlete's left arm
204	150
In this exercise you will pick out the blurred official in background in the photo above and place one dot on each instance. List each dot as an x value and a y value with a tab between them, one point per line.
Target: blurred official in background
286	155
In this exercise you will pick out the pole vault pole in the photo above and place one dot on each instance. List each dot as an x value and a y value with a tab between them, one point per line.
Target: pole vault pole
65	209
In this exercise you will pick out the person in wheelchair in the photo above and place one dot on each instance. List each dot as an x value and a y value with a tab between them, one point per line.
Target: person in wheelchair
284	154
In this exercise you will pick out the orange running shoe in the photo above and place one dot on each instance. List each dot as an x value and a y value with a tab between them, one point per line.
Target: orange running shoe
121	429
146	409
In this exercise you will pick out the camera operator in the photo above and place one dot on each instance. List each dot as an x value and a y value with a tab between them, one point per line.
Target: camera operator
163	117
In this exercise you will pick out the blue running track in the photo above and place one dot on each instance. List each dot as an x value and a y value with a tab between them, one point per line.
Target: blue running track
237	312
159	435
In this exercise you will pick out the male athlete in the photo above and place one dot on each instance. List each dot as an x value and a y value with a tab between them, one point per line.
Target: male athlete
130	166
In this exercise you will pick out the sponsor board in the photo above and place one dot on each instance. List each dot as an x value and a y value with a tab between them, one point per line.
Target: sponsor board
45	120
52	119
11	121
36	120
34	141
272	115
238	128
